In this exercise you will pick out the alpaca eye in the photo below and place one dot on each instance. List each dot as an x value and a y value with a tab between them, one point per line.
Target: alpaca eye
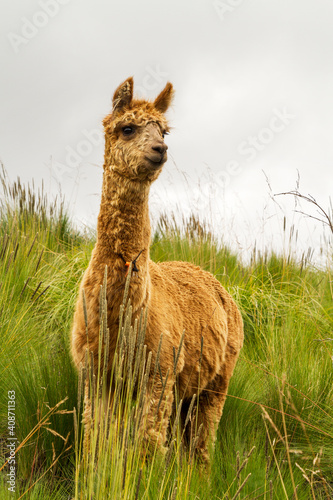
164	134
127	130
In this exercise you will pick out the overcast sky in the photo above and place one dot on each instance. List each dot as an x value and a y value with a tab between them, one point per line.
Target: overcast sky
253	105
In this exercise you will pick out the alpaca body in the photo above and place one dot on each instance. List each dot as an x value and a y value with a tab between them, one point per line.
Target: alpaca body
178	296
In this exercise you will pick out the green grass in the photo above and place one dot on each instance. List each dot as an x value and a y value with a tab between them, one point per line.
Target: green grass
280	399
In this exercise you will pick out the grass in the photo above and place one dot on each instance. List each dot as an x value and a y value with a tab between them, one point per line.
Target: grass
275	439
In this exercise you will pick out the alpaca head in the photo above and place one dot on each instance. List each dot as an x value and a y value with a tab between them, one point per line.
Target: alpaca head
134	133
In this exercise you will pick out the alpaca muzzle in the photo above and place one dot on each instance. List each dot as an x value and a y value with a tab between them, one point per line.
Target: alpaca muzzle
158	154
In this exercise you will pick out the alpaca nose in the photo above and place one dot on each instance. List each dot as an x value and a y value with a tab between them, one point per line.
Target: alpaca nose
160	148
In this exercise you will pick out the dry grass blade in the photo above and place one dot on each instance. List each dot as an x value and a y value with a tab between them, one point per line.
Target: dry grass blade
138	485
42	293
55	433
169	455
75	418
326	218
143	388
39	260
24	286
157	359
32	245
195	441
176	422
36	289
176	356
46	471
85	312
276	461
163	389
174	493
9	261
127	284
189	412
244	464
43	422
268	418
241	487
80	388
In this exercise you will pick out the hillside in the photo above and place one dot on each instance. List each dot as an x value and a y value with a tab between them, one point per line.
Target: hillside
275	439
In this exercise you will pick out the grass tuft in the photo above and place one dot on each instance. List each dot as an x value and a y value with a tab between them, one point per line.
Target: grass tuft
275	439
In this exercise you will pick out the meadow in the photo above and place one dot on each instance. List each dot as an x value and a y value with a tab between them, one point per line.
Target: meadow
275	438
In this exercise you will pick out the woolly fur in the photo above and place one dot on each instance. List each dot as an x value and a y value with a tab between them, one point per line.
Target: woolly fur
179	296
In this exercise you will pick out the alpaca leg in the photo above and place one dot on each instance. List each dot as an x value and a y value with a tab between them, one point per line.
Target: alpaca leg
156	415
210	408
211	403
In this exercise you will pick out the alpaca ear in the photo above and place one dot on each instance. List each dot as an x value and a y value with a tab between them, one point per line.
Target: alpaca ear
163	100
123	95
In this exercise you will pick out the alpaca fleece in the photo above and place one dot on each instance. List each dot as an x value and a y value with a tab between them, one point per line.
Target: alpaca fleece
179	296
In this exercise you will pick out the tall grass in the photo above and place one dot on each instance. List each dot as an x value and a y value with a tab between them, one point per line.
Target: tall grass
275	439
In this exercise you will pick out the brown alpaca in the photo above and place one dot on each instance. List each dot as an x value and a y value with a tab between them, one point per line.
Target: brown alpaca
179	296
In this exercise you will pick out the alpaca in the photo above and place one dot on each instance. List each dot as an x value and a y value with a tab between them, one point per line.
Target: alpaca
179	297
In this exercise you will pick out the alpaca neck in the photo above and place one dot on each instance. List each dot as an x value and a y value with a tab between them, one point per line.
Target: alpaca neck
123	227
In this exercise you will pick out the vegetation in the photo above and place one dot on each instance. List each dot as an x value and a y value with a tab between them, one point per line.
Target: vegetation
275	439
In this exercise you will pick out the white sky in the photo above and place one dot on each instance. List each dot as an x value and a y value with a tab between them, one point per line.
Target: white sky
238	66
